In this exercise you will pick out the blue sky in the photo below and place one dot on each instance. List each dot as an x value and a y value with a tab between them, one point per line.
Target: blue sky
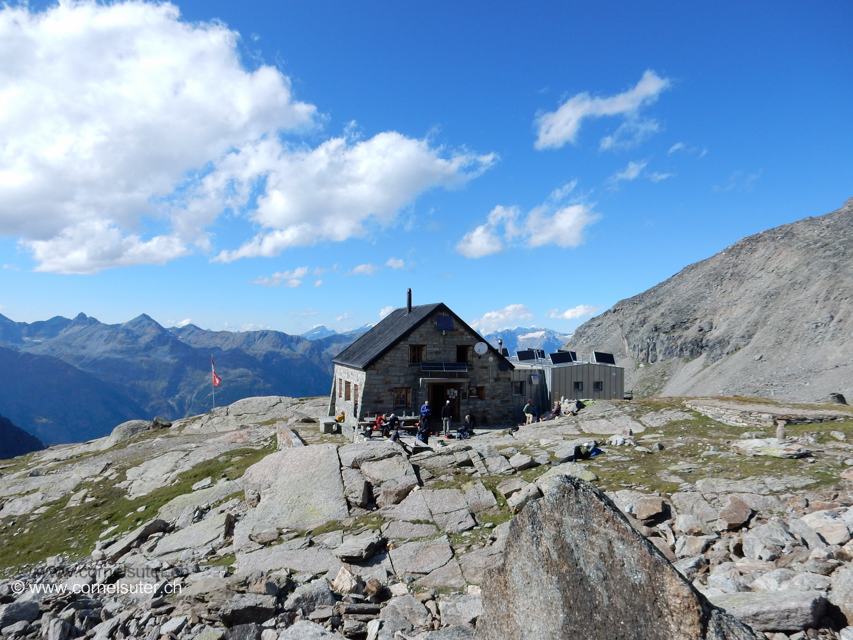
282	165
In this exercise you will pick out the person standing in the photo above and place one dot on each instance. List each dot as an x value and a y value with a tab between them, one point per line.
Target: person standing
446	418
426	413
528	412
423	433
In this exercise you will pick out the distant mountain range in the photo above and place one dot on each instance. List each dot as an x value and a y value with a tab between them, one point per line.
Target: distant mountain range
319	332
528	338
71	380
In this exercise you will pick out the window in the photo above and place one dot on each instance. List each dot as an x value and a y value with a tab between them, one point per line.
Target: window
481	393
346	390
340	388
598	386
518	388
403	397
355	399
416	353
578	386
463	352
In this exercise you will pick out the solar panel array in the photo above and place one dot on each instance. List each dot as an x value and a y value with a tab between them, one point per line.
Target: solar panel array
603	358
561	357
526	354
444	323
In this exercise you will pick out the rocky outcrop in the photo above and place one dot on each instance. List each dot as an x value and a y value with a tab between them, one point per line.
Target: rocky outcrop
582	571
760	318
295	489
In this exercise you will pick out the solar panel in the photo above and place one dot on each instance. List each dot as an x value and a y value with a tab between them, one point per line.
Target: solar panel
603	358
561	357
444	366
444	323
505	352
540	353
526	354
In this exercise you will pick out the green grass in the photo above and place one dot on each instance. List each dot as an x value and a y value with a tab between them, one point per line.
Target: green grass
26	543
227	560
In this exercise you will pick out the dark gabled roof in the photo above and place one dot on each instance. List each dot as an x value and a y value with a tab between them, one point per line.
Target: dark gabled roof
395	327
390	330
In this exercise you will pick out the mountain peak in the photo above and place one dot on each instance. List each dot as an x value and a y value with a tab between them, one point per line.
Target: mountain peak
142	320
82	320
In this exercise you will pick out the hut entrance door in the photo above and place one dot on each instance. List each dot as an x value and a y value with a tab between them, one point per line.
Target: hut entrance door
439	394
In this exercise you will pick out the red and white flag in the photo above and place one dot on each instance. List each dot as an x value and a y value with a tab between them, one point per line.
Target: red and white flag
216	378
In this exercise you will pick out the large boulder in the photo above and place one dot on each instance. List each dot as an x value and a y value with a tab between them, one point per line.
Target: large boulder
24	610
775	610
769	447
125	431
297	488
199	537
582	571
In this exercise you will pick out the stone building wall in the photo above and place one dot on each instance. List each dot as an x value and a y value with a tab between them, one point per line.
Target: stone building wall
392	373
351	407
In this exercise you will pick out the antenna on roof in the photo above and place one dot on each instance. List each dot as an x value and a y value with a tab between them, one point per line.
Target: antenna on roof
409	301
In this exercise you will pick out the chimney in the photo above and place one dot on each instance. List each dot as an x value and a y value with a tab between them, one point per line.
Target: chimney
409	301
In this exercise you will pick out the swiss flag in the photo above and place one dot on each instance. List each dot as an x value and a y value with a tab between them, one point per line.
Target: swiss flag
216	378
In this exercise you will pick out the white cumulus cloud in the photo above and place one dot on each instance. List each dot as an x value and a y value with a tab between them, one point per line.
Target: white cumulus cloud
363	270
127	132
338	190
290	279
580	311
485	239
318	283
184	322
395	263
556	128
384	311
109	109
549	223
502	318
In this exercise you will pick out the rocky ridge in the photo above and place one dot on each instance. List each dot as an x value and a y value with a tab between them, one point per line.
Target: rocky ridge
769	316
251	522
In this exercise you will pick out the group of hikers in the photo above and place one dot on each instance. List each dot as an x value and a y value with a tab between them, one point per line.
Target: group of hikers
390	425
530	411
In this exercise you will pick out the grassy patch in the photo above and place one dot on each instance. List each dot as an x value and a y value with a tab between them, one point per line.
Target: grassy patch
356	525
26	543
228	560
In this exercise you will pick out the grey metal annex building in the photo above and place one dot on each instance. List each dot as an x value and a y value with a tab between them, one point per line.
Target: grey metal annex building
546	379
422	353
